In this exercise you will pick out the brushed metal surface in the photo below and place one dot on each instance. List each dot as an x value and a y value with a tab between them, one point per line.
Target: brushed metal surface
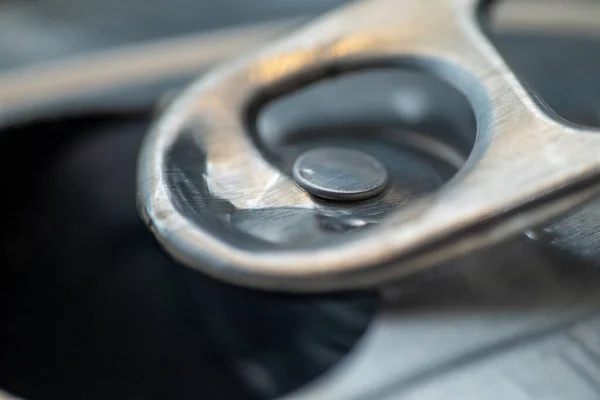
336	173
526	167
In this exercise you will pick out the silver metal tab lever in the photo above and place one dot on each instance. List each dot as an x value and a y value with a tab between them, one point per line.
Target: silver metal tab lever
202	169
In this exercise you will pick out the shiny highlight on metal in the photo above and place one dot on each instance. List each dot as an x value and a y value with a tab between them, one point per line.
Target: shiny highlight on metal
340	174
527	166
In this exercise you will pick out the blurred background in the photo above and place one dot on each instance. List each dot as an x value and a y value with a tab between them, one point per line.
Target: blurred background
38	30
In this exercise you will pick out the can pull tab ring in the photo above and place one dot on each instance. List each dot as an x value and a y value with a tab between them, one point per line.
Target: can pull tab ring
200	166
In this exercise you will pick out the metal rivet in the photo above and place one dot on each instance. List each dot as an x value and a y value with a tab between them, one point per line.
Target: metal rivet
340	174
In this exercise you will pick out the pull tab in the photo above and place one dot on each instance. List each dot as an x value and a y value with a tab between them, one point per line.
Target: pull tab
201	168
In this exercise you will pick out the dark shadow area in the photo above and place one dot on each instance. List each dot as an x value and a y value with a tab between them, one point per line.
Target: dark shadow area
92	309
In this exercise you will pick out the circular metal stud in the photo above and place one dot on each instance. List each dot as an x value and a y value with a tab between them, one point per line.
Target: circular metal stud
340	174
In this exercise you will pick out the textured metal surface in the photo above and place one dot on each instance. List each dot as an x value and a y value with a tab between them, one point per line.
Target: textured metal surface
519	322
525	168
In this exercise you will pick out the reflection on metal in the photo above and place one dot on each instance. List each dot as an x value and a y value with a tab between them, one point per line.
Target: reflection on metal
526	166
6	396
340	174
